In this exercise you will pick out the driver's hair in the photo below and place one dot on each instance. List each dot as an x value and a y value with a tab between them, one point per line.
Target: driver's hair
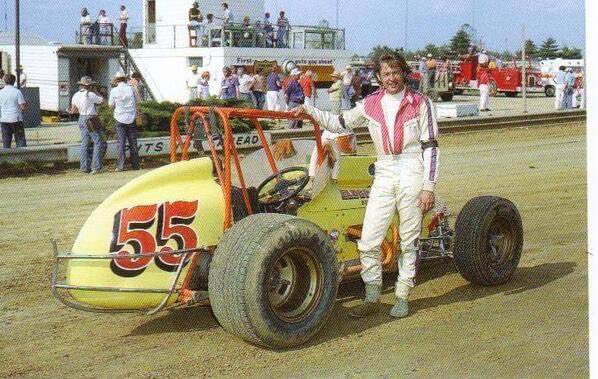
392	59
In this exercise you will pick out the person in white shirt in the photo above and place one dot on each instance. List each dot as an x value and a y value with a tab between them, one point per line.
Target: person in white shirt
193	82
402	125
104	29
124	102
246	82
86	29
227	15
12	105
122	32
85	103
204	86
22	77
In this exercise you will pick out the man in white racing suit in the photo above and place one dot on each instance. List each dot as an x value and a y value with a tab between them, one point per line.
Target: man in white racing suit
402	124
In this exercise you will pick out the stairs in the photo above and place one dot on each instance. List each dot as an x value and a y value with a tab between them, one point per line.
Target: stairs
128	65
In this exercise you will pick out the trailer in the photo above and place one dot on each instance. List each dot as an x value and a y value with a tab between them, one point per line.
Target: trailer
55	68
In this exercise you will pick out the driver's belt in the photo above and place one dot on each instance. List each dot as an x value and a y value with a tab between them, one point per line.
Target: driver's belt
429	144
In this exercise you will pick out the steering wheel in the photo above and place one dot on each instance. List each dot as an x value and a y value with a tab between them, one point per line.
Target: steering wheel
280	187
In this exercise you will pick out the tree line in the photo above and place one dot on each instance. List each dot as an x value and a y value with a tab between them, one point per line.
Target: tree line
466	37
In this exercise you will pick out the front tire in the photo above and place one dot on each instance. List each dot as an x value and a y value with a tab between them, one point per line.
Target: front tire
273	280
488	240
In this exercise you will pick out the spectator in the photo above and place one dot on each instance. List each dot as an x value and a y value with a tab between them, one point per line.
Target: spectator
366	82
268	30
569	89
559	87
85	103
230	85
227	15
86	27
308	87
23	77
273	86
483	80
294	96
135	82
196	22
259	89
335	93
104	29
204	86
193	82
283	30
431	72
347	88
124	103
12	105
212	32
246	81
122	32
483	58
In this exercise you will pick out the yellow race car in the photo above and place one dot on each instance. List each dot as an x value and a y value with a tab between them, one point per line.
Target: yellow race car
259	239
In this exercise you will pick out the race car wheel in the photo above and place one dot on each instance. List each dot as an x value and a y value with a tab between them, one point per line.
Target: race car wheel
549	91
488	240
273	280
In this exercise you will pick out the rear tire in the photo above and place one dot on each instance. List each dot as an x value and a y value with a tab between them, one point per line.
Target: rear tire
549	91
273	280
488	240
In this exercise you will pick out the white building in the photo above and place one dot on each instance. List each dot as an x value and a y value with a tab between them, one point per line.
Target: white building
166	56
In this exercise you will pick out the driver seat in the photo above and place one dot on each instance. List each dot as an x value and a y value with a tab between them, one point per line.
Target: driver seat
238	204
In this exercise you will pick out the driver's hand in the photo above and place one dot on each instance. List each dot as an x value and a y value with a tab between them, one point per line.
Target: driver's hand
426	200
297	111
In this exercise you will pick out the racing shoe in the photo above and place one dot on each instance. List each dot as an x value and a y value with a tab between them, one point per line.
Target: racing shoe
401	308
365	309
371	303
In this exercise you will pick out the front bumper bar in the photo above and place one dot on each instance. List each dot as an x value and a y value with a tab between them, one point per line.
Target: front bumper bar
59	290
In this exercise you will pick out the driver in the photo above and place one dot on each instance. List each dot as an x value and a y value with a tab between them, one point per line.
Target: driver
403	128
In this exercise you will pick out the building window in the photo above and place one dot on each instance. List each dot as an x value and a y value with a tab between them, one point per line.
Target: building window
195	61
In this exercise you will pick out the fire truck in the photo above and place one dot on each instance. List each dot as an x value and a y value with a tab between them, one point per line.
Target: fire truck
506	79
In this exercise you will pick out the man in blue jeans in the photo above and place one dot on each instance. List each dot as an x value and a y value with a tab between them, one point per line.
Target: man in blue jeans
124	102
12	105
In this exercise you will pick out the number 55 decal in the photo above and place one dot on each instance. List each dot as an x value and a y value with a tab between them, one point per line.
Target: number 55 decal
132	225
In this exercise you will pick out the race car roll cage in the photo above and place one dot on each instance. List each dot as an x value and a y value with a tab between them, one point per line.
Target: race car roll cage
194	115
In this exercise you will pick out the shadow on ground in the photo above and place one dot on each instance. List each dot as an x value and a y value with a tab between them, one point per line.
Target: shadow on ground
341	325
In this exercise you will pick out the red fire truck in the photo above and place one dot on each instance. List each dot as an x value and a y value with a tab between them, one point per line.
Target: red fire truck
507	79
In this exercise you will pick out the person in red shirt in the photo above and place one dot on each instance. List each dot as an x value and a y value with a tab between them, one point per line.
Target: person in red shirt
309	89
483	80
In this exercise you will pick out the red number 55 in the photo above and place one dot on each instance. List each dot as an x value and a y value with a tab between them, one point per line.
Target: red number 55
132	225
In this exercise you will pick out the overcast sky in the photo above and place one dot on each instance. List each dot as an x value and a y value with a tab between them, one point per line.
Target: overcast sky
368	22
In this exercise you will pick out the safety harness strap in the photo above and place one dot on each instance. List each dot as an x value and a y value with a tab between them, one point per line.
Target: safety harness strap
429	144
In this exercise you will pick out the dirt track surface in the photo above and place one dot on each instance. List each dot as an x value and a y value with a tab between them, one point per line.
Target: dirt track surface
534	326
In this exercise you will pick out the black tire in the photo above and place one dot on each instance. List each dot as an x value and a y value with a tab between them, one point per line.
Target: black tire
488	240
458	92
549	91
250	261
447	97
510	94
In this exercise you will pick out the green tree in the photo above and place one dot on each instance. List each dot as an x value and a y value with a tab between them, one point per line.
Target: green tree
530	48
461	40
549	49
570	52
383	49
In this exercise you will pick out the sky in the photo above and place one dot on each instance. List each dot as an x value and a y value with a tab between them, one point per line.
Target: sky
499	23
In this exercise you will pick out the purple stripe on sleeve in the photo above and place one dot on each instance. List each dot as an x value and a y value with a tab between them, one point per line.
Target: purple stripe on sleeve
430	123
433	164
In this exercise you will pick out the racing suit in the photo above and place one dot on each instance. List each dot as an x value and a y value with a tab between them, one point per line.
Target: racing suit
403	129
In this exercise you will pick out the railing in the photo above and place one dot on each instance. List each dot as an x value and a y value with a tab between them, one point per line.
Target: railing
96	34
239	35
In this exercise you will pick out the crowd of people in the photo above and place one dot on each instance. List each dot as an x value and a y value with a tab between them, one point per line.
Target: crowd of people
100	31
123	100
271	89
208	31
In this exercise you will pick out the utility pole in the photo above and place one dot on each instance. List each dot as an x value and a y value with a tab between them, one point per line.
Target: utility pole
523	76
337	5
406	23
18	42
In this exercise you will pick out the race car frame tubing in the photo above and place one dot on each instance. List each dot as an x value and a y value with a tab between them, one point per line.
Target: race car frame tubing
230	150
56	287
